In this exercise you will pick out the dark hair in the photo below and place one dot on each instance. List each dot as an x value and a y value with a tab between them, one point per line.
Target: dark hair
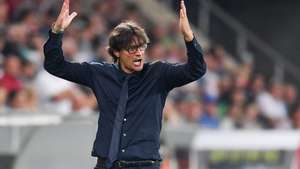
123	35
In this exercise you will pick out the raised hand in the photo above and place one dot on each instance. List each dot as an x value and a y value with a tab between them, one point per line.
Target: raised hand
184	25
64	18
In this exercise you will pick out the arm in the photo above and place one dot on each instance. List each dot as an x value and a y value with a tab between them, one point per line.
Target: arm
54	60
180	74
55	63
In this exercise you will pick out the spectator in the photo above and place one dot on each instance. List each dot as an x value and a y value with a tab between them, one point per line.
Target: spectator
11	72
252	117
210	118
257	86
3	98
24	99
189	106
295	115
57	96
3	14
232	120
290	96
211	79
273	107
171	114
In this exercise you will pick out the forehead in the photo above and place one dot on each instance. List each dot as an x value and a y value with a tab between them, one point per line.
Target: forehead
137	41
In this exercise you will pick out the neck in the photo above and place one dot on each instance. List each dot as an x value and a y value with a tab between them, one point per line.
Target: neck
123	69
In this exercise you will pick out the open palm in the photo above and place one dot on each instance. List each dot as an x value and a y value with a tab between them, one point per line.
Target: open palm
64	18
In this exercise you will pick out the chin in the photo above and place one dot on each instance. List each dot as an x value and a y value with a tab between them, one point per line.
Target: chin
137	69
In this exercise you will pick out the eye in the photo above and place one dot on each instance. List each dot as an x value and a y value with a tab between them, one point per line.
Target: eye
144	47
131	49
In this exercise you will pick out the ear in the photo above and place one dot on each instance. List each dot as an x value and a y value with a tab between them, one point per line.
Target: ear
117	54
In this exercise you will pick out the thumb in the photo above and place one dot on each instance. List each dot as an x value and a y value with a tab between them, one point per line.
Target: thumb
72	16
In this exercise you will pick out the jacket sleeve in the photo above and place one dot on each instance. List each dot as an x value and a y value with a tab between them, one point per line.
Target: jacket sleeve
56	65
176	75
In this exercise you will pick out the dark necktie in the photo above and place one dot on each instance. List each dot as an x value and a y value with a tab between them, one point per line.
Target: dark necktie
117	127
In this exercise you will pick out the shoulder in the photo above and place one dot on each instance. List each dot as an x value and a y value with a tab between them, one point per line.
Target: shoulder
154	65
100	66
100	63
155	68
157	64
163	64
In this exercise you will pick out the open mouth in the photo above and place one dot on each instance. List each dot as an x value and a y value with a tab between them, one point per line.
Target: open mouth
137	62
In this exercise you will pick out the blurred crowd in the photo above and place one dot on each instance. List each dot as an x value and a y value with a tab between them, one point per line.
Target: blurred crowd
230	96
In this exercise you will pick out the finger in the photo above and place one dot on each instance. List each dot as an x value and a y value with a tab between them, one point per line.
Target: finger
72	16
66	6
63	10
181	13
67	2
63	7
182	6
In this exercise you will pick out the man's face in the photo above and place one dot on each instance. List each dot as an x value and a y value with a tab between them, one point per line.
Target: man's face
132	59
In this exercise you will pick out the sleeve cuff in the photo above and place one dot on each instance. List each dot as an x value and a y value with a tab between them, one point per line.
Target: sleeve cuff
190	45
55	36
188	42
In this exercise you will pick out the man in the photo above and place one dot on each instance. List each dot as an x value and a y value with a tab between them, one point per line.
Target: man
132	93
